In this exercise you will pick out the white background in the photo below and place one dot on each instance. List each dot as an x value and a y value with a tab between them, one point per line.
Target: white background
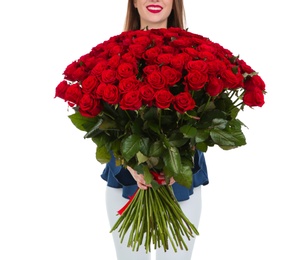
51	194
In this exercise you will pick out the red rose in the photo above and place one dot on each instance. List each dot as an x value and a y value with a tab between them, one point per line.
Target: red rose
147	94
89	106
172	76
168	49
126	70
215	67
254	81
110	94
99	68
158	39
231	80
137	50
69	71
131	101
245	67
196	80
151	54
128	84
181	42
221	51
73	94
79	74
89	84
128	57
150	68
163	98
142	40
99	90
183	102
206	55
109	76
88	60
114	49
199	65
207	47
215	86
254	97
178	61
61	89
164	58
157	80
173	32
191	52
198	41
114	62
100	49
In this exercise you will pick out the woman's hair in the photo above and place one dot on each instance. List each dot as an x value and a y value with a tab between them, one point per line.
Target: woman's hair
175	19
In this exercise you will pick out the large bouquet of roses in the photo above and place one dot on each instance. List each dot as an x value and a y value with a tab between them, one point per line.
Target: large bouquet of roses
150	98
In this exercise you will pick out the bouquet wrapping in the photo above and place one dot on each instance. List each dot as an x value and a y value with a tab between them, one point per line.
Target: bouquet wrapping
150	98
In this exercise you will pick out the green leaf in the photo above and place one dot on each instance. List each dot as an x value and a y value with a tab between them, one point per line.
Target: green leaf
154	127
102	152
83	123
234	112
153	162
202	146
101	140
178	140
228	140
156	149
103	155
145	145
188	131
219	123
151	114
141	158
109	124
147	175
130	146
184	177
201	135
137	126
114	146
95	129
206	107
172	160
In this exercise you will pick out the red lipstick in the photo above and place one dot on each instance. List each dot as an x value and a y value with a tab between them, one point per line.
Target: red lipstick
154	8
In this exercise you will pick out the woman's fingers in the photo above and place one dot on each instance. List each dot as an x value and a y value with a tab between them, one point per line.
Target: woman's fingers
141	183
172	181
139	178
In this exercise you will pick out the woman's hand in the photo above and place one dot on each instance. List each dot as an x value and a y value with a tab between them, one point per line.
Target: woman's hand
140	181
139	178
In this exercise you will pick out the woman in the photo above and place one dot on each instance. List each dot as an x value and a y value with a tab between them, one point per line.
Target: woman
121	182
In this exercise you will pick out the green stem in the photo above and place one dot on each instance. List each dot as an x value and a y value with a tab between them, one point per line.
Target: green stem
139	214
209	99
163	210
159	117
155	216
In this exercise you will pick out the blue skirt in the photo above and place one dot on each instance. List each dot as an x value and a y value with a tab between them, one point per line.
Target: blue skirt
119	177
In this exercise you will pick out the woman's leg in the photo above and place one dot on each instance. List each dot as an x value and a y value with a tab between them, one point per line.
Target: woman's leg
192	209
115	201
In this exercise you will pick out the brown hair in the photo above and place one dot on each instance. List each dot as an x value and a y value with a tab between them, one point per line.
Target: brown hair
176	18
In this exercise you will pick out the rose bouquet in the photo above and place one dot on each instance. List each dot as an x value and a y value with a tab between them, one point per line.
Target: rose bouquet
149	98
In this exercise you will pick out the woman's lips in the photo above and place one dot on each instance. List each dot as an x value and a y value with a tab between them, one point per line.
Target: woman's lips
154	8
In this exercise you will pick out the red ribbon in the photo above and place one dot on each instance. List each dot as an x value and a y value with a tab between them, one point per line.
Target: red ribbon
157	177
120	211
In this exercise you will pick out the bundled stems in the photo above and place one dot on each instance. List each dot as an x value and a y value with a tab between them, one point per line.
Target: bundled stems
154	217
